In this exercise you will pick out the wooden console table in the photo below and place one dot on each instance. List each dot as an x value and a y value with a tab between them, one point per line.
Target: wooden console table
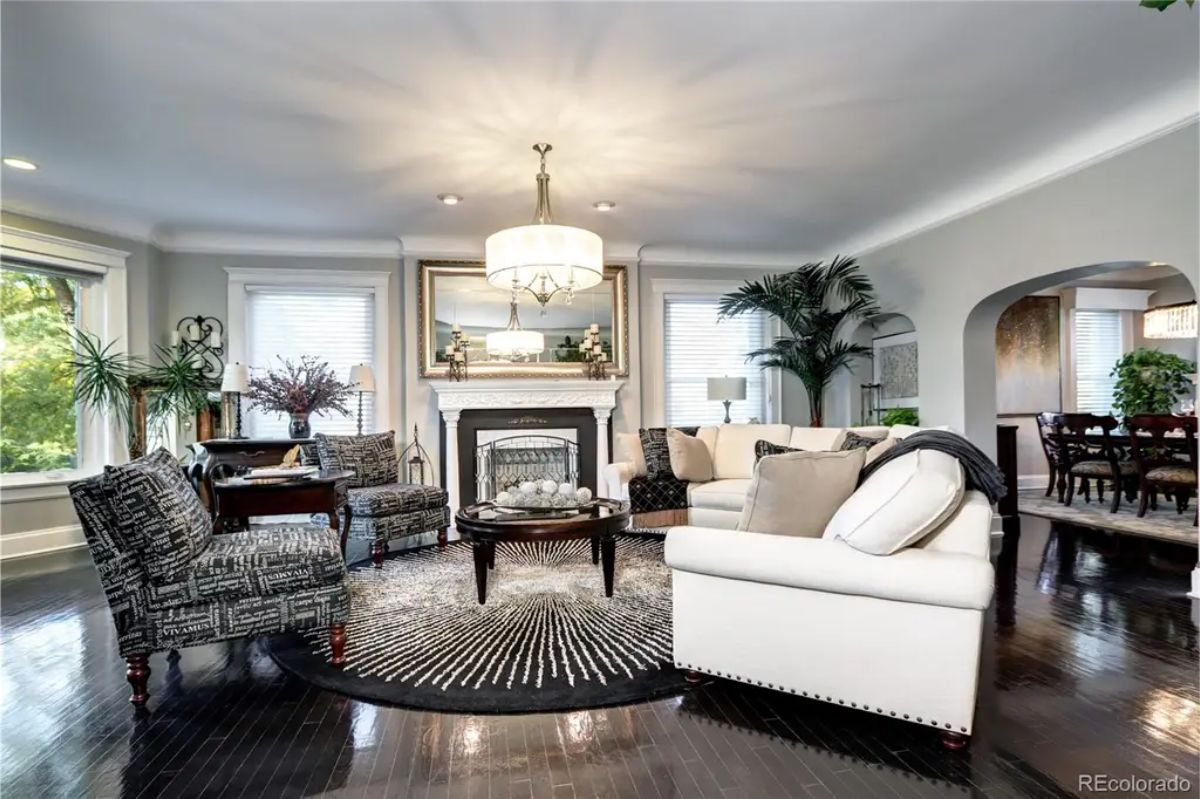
234	452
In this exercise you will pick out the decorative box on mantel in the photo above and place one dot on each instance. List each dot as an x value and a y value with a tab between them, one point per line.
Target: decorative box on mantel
554	410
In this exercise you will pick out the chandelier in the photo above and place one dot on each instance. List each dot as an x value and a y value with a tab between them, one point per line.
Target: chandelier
544	258
1170	321
514	343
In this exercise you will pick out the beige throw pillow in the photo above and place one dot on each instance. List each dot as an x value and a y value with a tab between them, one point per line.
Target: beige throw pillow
628	448
797	493
878	449
690	460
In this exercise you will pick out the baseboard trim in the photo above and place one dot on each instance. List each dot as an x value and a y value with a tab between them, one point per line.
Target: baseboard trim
41	542
1028	481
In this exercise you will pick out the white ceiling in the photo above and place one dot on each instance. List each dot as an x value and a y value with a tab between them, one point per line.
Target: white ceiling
764	127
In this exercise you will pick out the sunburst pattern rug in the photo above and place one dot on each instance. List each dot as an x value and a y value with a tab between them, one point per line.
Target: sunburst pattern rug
547	639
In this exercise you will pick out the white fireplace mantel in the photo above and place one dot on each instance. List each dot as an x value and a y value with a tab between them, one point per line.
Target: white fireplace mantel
454	398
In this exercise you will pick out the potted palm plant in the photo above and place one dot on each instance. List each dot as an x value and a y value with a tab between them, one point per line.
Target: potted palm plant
812	302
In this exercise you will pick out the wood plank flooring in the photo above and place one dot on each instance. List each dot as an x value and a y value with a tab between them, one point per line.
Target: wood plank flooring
1089	666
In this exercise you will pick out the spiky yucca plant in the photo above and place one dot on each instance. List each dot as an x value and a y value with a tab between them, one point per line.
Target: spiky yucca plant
813	302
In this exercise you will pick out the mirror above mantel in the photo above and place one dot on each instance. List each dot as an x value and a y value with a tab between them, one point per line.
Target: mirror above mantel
453	293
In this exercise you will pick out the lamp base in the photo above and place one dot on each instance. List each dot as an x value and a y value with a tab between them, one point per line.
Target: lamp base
727	403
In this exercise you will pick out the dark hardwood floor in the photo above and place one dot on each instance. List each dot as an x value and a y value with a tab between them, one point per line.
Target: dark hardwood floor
1089	666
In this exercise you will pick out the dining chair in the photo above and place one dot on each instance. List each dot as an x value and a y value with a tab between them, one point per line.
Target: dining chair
1164	451
1049	425
1086	456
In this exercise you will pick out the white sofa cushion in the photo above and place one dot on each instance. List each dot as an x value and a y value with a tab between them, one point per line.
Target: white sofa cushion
967	530
948	579
816	439
719	494
690	460
906	430
733	456
901	503
797	493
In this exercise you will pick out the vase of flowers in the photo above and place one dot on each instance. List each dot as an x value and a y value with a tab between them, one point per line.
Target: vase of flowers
299	390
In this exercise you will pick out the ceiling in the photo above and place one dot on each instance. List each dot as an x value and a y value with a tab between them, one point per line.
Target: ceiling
763	127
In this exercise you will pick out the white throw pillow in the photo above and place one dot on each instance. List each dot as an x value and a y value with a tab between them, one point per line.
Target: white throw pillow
690	460
901	503
796	493
628	448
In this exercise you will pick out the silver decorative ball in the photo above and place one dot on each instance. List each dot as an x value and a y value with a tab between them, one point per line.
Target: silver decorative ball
583	495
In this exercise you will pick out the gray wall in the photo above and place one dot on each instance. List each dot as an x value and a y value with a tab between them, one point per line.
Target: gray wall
143	284
954	280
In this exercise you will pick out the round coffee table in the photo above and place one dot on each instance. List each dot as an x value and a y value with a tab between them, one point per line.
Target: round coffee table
486	523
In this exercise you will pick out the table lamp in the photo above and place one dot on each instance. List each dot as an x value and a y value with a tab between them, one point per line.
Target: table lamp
727	390
236	381
362	380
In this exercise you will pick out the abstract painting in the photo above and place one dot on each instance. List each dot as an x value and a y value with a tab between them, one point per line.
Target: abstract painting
896	370
1028	373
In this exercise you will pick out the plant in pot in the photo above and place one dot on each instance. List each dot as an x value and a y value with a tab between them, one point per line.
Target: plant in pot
1150	381
812	302
108	381
895	416
299	390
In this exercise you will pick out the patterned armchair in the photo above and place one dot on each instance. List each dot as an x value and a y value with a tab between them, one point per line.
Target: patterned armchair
170	583
376	507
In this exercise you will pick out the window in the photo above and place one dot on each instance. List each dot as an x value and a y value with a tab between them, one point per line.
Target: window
335	325
699	347
1098	345
39	422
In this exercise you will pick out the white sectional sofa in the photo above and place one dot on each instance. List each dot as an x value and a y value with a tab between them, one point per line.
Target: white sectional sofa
718	503
898	635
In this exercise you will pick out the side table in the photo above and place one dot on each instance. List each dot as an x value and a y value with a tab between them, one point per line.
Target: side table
240	498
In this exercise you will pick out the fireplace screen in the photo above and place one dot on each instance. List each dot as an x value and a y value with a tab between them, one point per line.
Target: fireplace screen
507	462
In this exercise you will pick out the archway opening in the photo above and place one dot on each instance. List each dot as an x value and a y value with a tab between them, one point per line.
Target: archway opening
863	394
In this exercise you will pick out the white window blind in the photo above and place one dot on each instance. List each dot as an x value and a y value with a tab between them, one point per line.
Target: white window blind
1097	345
699	347
332	325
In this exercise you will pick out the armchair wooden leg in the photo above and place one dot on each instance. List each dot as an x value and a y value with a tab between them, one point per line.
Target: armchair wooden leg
954	740
337	644
693	677
441	538
1145	501
1070	490
1100	491
1086	485
138	674
377	554
1050	485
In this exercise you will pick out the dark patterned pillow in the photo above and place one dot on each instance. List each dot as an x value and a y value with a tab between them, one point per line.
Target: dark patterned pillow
372	458
764	448
654	449
158	514
855	441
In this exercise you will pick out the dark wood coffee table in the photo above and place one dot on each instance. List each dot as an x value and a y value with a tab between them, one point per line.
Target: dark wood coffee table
485	524
240	498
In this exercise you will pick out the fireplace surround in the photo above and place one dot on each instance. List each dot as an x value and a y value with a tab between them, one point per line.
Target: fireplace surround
532	406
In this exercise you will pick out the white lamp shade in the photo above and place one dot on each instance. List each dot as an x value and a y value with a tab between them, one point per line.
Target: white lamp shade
362	378
567	255
515	343
236	378
726	388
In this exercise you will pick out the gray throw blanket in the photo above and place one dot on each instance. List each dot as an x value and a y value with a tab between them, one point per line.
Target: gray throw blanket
981	473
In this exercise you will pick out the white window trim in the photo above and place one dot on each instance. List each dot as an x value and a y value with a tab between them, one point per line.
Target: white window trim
240	278
103	311
654	412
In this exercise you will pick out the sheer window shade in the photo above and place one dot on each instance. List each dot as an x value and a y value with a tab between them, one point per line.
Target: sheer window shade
331	325
699	347
1098	345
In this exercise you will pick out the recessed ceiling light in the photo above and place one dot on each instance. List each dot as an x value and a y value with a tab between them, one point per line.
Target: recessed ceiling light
450	199
20	163
604	205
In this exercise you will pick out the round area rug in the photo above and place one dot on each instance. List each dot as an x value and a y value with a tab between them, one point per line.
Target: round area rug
547	639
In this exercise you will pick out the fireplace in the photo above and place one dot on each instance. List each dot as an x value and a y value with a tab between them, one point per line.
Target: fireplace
503	462
497	448
476	413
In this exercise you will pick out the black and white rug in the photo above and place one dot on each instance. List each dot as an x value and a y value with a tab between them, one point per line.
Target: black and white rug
547	639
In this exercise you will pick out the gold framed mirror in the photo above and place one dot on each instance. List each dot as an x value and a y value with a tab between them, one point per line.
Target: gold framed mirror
453	293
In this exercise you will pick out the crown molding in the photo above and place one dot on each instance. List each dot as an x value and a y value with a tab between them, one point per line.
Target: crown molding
454	247
662	255
1172	112
253	244
20	244
91	221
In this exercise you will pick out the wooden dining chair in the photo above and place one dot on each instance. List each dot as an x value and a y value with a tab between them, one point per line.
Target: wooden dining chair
1086	457
1049	425
1165	462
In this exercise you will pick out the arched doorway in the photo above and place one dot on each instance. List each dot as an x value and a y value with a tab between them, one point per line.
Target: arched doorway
892	336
